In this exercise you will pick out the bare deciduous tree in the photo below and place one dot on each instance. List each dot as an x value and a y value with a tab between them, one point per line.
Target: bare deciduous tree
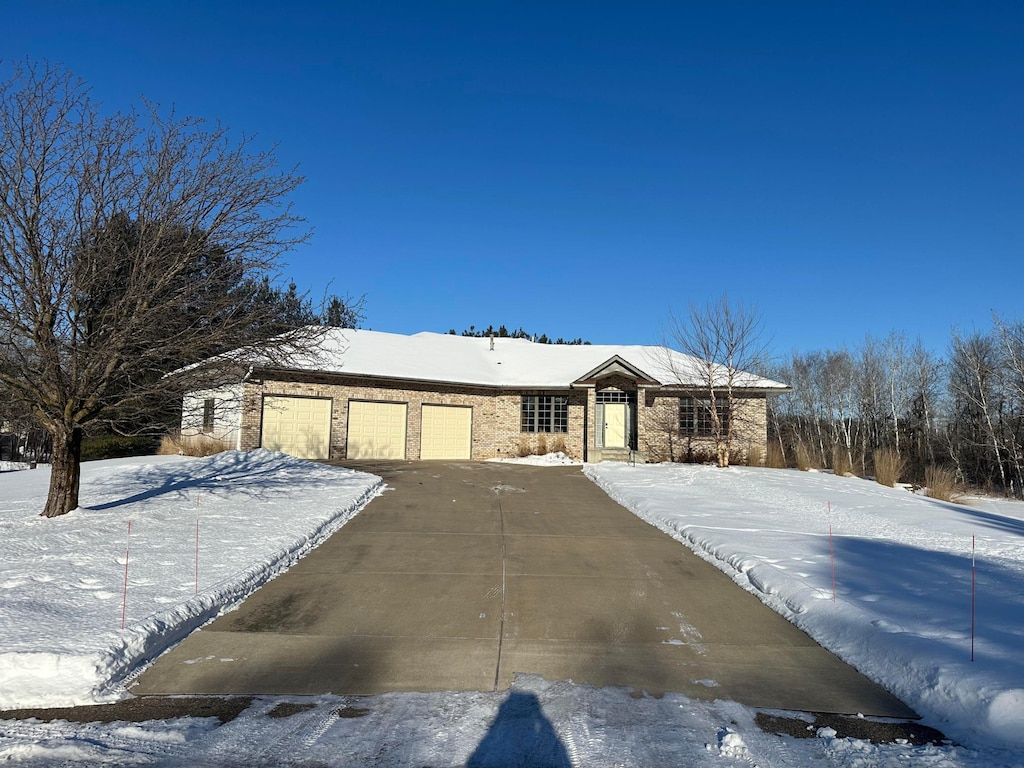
925	408
974	386
1011	338
128	245
727	342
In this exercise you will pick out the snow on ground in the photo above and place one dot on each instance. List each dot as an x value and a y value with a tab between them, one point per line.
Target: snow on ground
556	459
62	580
903	576
537	724
10	466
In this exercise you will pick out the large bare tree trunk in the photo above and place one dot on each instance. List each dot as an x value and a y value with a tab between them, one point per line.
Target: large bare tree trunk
65	471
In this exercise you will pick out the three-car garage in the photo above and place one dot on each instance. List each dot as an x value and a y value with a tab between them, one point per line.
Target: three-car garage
374	429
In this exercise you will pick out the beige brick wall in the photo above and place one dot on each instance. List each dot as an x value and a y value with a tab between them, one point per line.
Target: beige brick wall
496	414
659	429
496	417
617	381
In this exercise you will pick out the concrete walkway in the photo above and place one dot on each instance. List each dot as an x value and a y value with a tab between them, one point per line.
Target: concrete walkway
465	574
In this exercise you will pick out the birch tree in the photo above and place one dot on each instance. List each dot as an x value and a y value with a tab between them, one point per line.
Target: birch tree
975	438
727	341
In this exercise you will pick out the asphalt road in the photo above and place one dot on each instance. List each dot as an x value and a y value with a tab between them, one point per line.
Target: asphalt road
464	574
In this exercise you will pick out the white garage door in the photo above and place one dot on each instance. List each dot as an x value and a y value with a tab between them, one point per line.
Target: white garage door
376	430
446	433
300	426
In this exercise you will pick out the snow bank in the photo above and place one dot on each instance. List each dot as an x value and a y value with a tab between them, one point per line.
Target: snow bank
902	572
62	580
556	459
536	723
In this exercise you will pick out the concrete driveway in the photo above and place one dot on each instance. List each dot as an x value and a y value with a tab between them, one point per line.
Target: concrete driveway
464	574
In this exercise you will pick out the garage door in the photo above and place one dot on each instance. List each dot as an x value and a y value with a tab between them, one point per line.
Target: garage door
300	426
446	432
376	430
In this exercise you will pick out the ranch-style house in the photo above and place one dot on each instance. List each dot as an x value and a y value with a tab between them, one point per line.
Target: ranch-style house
374	395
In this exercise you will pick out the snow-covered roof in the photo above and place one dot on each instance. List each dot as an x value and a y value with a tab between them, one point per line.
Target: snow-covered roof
507	363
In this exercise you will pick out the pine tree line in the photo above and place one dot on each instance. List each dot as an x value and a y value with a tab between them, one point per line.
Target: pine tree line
501	332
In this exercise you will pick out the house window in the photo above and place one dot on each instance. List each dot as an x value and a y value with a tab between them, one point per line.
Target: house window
208	406
695	415
615	396
545	413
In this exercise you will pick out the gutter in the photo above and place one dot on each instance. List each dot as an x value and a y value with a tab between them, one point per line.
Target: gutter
576	384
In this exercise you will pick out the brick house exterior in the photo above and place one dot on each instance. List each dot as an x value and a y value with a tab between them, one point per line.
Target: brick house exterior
378	395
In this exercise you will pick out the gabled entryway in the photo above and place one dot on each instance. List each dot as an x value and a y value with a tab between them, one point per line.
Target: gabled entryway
612	409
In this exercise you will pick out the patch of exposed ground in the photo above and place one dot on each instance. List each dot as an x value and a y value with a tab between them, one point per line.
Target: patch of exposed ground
140	709
877	731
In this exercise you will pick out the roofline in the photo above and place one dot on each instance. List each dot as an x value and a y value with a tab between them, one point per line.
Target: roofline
592	374
404	380
578	384
779	390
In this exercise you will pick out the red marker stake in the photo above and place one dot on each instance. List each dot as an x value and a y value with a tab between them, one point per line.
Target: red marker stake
124	600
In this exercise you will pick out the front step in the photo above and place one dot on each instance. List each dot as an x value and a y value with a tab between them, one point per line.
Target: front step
617	454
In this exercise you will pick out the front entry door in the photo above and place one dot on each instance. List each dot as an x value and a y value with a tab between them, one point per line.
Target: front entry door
615	425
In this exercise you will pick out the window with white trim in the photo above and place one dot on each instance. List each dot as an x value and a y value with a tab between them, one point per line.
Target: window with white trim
544	413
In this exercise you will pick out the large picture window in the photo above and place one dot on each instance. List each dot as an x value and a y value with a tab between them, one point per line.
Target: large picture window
695	415
545	413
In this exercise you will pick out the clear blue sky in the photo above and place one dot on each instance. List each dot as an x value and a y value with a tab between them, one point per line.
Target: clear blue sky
581	169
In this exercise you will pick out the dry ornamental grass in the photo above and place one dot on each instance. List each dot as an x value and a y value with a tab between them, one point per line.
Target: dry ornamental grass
192	445
805	458
889	467
775	457
842	465
941	483
755	456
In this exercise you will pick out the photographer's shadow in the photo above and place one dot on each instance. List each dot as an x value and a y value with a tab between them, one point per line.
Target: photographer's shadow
520	736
